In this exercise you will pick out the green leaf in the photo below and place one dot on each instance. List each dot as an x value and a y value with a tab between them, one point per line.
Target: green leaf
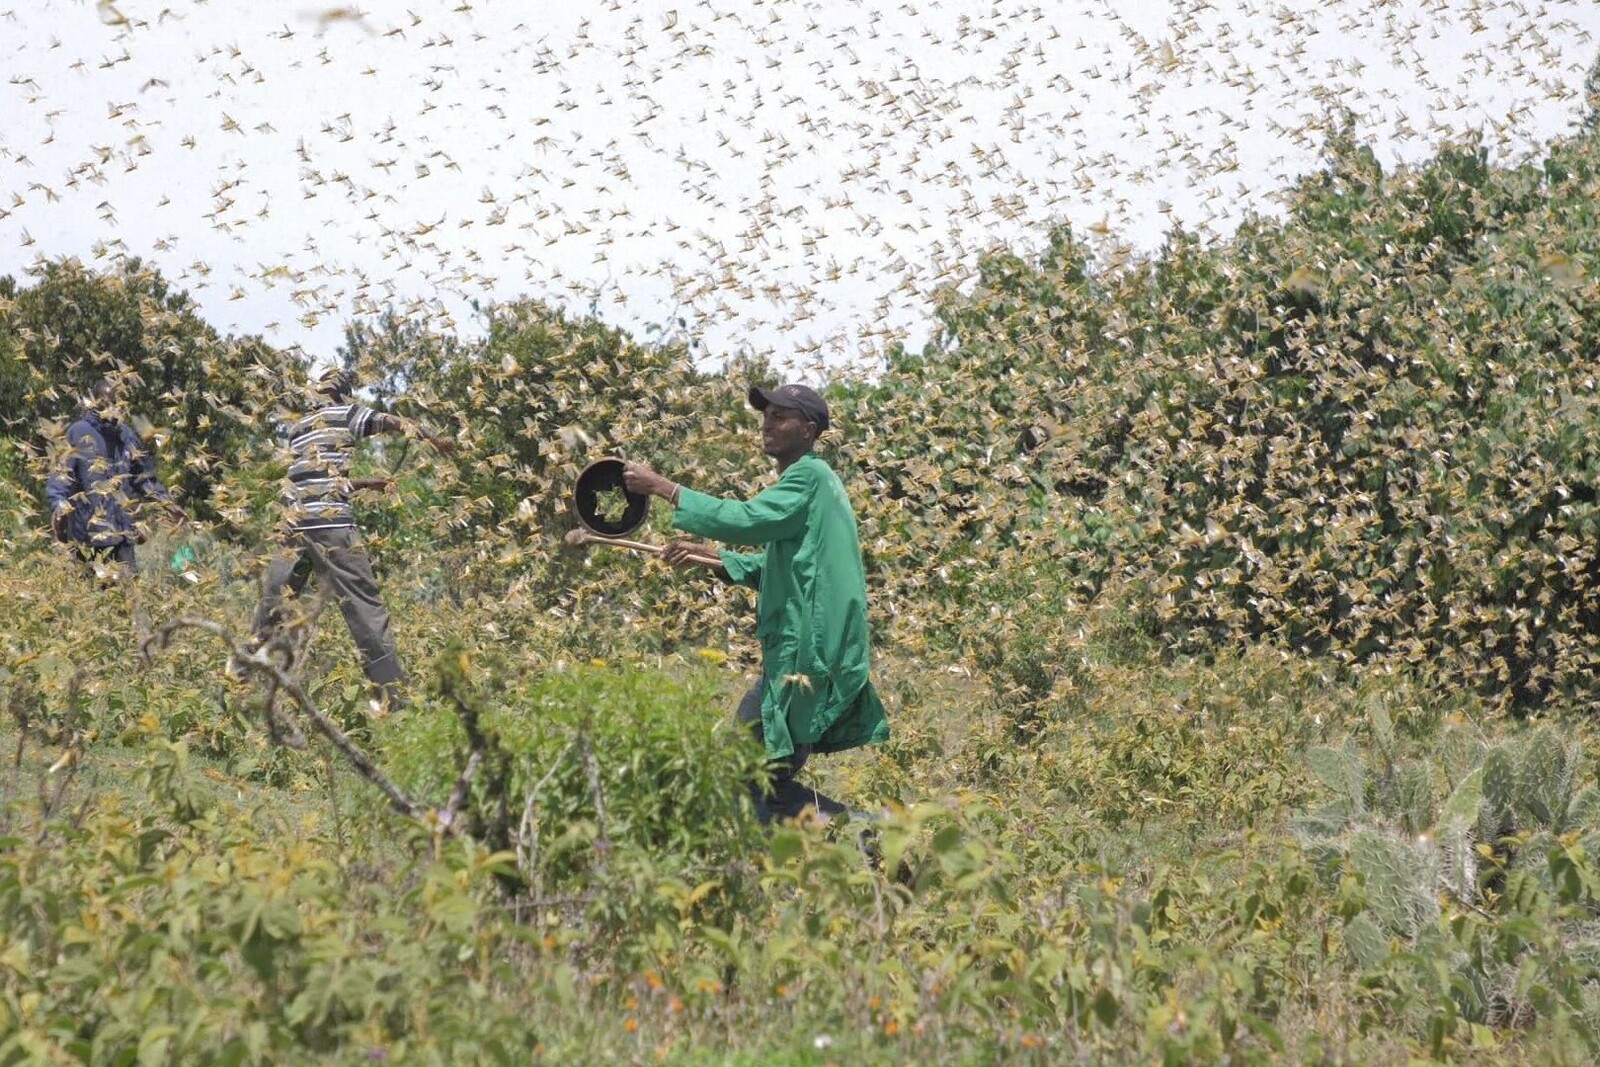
1461	809
1368	946
787	846
1341	771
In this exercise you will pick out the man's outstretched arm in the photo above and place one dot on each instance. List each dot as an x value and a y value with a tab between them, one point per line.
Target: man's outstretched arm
684	554
777	512
142	472
383	422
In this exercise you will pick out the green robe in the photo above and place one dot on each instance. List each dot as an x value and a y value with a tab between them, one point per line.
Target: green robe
811	612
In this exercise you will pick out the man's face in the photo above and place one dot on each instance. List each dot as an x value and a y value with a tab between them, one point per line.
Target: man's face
332	389
111	406
785	432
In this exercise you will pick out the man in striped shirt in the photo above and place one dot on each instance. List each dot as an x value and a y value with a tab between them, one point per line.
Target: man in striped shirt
322	537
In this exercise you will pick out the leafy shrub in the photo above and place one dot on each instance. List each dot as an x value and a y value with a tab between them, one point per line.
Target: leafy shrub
1308	434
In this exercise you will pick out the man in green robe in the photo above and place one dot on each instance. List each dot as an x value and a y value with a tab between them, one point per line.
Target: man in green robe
811	611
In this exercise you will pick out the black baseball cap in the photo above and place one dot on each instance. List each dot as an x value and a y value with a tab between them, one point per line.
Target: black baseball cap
801	398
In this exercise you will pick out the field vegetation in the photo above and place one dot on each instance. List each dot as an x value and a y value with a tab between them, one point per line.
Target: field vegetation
1236	607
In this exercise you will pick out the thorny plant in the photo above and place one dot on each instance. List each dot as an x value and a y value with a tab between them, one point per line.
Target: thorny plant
272	663
483	815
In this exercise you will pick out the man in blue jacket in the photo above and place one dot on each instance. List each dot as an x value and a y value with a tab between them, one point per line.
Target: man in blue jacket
95	490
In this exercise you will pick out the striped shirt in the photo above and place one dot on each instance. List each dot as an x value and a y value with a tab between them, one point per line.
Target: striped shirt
317	491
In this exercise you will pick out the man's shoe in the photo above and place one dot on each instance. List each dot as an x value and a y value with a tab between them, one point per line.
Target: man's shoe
387	701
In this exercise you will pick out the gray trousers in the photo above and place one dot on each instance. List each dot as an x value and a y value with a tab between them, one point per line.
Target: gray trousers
341	565
788	797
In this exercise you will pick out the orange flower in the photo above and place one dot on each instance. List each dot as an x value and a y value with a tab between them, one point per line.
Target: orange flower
892	1027
631	1025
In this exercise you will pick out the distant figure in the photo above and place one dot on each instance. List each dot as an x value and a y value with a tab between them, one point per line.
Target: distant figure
95	490
814	695
322	538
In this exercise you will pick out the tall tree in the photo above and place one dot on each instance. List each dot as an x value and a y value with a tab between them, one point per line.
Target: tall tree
198	396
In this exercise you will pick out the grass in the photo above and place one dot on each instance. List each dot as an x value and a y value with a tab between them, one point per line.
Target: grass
1107	868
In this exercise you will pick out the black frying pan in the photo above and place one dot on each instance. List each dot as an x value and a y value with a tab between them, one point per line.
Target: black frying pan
594	498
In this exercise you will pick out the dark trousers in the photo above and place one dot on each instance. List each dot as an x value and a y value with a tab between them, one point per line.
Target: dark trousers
117	566
117	555
116	562
342	567
788	797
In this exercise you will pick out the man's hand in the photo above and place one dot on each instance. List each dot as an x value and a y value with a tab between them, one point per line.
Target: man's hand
371	483
58	520
641	479
688	554
384	422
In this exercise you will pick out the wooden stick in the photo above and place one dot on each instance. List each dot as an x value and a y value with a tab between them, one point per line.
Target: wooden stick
584	537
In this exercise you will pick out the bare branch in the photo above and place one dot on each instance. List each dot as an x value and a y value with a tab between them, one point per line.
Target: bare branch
591	768
281	729
258	663
528	831
70	760
458	795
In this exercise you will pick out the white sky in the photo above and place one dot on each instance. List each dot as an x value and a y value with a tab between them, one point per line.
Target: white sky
789	177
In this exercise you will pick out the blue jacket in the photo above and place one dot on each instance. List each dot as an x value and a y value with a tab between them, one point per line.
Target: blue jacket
106	468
